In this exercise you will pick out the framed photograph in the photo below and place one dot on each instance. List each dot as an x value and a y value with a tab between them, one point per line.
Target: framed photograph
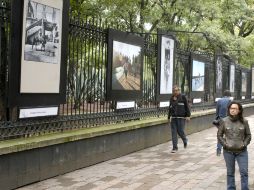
39	44
165	66
219	73
197	76
232	78
125	66
244	82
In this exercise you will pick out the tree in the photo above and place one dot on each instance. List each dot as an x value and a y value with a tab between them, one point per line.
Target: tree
227	25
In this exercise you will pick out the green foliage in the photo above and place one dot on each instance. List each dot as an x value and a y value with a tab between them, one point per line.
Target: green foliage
224	24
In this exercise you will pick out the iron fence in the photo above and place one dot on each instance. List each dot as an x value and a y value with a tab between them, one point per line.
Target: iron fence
86	105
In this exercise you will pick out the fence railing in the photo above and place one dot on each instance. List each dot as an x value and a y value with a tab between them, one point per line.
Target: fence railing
86	105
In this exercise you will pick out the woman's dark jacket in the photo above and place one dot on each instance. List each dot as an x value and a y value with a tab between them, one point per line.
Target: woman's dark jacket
179	107
234	135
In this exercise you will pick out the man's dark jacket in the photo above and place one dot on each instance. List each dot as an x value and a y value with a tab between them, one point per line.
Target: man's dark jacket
179	107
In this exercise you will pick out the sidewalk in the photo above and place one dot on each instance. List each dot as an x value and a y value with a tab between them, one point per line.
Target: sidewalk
155	168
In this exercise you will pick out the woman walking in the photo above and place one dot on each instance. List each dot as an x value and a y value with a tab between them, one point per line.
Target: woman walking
234	135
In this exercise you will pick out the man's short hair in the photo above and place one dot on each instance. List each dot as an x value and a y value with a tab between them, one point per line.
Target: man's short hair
226	93
175	86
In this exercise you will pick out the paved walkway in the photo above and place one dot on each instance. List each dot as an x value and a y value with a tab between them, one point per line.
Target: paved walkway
155	168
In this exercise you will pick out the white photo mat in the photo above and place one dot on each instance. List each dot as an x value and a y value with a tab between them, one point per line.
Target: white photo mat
41	53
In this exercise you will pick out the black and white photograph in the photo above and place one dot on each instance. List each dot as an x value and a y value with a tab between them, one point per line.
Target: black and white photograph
42	33
219	73
198	76
39	75
167	58
244	82
126	66
232	78
41	46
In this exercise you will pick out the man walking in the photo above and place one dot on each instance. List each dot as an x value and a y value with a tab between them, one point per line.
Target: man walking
179	112
221	112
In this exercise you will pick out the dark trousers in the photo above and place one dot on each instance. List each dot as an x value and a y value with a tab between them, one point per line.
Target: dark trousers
177	127
242	160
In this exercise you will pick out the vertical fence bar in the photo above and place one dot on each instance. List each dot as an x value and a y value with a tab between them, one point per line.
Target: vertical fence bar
109	103
81	74
144	76
97	65
74	106
107	109
154	58
84	41
73	73
147	70
4	54
87	65
91	64
95	87
150	64
102	99
69	80
80	67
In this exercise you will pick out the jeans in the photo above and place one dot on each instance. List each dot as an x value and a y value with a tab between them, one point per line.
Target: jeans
242	160
177	127
219	146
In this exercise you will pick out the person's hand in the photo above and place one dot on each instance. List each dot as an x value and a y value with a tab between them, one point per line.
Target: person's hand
187	119
225	146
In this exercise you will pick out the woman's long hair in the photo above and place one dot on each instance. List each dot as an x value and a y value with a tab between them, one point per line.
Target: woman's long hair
240	114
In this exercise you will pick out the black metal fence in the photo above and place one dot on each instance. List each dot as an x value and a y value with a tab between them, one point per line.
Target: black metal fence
86	105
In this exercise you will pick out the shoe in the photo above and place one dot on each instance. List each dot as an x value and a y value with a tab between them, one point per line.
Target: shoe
174	150
218	152
185	145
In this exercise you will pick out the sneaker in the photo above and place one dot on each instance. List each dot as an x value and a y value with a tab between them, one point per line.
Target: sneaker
185	145
173	150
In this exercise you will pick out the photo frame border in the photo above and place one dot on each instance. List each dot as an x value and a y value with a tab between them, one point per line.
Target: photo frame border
160	34
33	99
218	92
128	38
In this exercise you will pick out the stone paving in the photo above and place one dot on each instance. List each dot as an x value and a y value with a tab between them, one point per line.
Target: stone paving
155	168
